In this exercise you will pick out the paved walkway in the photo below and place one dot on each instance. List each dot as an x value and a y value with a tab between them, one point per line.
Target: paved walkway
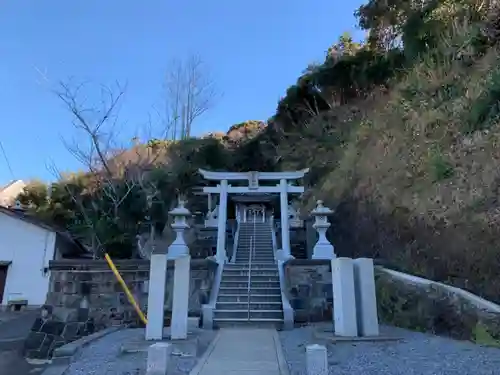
243	351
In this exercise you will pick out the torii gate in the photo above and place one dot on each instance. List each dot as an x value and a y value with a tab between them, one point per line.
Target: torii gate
253	177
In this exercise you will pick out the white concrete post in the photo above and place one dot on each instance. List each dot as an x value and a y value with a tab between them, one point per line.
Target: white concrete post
366	297
221	255
209	203
316	360
180	301
158	358
285	227
156	296
344	301
179	252
323	248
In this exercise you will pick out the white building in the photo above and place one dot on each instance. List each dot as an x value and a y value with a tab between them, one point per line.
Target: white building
26	247
9	192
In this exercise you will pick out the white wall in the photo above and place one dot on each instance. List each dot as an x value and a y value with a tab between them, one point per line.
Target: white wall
9	194
29	248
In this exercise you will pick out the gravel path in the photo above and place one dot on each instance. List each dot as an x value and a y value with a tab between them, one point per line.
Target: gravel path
103	356
416	354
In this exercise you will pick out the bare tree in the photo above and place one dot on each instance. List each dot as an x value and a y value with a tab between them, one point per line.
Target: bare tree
114	173
190	93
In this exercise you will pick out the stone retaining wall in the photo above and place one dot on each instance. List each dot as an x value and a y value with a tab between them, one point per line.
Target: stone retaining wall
427	308
84	297
309	289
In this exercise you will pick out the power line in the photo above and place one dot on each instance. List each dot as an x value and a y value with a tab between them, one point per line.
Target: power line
7	161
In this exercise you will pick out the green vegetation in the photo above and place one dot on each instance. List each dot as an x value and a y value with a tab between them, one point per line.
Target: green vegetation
401	133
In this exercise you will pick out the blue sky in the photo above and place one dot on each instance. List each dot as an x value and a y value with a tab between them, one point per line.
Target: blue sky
254	51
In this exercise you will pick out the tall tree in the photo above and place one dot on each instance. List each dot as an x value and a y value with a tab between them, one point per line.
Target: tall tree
190	93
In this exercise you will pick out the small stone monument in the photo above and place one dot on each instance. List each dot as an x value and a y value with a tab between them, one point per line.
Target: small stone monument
316	360
179	252
344	300
294	216
158	358
366	297
211	220
323	248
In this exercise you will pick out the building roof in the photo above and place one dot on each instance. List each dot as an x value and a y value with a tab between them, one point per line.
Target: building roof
23	216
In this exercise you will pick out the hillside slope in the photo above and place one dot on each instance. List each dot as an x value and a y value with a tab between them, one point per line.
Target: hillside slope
416	180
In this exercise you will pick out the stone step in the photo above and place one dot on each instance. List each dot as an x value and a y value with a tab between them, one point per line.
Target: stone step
255	266
228	290
246	262
248	236
245	314
256	248
253	323
266	255
253	284
253	298
264	249
253	238
255	259
244	278
266	306
253	272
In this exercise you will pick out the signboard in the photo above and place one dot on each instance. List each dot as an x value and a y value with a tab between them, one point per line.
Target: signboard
253	180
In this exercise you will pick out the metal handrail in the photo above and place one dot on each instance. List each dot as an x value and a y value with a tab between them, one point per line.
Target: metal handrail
249	273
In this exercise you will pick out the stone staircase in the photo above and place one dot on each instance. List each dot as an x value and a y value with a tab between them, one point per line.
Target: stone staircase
250	291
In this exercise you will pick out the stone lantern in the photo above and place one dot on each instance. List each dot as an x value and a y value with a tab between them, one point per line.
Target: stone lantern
323	248
179	248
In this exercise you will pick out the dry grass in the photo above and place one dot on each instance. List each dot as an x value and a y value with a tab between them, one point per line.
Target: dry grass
423	164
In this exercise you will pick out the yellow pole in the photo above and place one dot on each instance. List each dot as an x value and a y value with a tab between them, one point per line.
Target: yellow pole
125	288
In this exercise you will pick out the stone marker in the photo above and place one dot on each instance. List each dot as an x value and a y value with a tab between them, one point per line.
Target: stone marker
158	357
366	297
156	296
316	360
180	303
344	301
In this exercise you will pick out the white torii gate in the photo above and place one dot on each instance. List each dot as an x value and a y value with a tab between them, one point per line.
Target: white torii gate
223	188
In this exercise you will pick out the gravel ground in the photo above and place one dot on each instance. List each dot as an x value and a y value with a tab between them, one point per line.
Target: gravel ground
103	356
417	353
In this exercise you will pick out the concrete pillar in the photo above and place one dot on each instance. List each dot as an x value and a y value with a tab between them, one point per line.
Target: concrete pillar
209	203
158	358
366	297
316	360
156	296
344	301
285	227
221	255
180	301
